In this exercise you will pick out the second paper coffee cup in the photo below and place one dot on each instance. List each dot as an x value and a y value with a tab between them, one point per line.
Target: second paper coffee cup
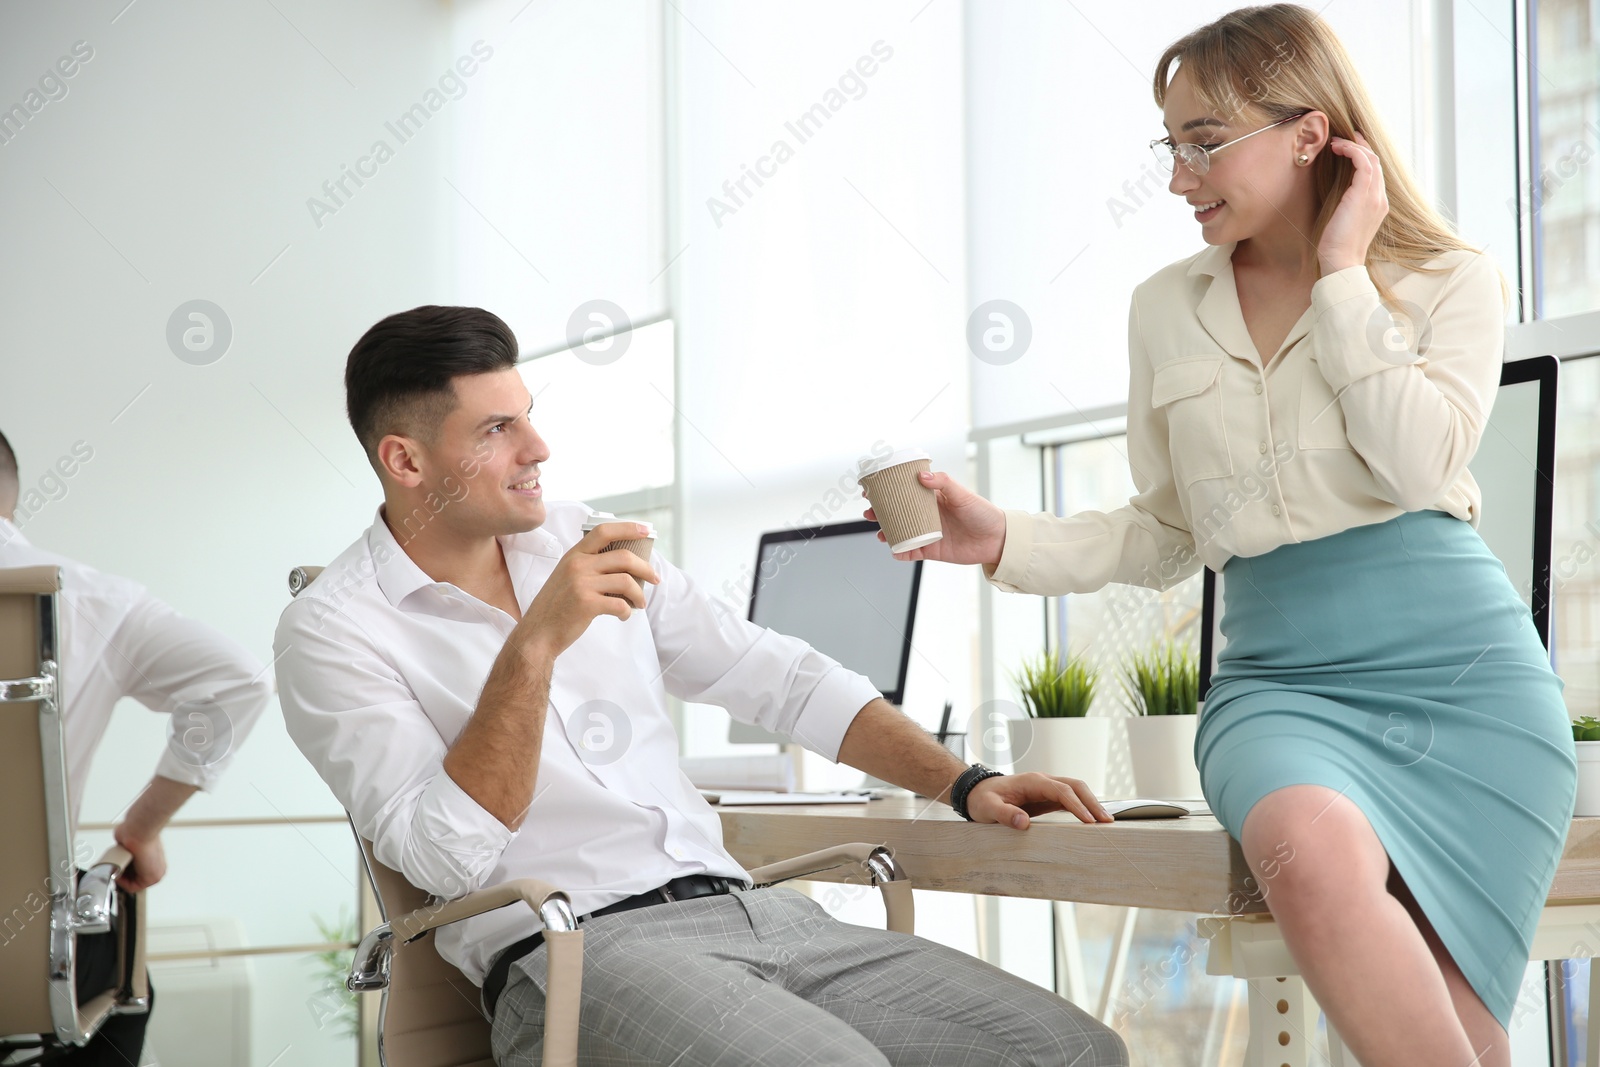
907	510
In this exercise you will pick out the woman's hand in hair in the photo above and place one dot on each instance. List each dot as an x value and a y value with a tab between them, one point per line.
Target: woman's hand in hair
974	529
1361	210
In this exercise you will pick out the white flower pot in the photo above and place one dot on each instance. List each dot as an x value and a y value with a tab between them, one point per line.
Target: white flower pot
1588	778
1162	750
1071	748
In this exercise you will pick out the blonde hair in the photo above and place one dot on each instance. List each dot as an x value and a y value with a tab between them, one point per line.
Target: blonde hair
1281	60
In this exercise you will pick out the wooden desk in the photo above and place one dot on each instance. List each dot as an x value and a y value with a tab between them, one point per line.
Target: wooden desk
1188	865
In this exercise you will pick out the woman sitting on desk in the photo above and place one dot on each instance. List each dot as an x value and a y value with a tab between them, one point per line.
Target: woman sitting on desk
1383	705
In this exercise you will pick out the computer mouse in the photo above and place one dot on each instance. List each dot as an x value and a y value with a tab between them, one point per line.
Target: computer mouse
1144	809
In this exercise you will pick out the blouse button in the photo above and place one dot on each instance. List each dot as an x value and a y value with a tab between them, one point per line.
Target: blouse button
1258	388
1276	509
1262	447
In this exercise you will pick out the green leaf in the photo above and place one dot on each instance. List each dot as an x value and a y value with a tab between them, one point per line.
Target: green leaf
1163	681
1053	688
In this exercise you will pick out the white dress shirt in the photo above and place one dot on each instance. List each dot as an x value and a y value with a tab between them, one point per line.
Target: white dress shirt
1357	418
380	667
119	641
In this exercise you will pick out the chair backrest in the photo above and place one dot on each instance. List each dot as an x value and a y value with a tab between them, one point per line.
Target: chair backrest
39	877
431	1015
31	770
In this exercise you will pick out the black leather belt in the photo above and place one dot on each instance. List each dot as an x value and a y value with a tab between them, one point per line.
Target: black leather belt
685	888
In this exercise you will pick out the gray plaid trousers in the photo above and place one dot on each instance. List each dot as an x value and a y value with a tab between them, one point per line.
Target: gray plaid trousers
766	978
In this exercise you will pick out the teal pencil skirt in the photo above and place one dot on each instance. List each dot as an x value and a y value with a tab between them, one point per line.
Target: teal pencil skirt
1396	664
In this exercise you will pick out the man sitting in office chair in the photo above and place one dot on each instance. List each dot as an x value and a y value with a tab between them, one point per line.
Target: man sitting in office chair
484	689
119	641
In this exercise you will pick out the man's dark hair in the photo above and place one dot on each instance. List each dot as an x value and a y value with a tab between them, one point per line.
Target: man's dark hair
10	477
397	379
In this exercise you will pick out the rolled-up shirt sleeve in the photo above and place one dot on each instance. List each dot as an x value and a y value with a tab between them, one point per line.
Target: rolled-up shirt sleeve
711	655
213	690
1146	542
357	721
1414	411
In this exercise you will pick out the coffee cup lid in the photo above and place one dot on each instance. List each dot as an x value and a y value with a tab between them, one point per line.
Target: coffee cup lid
893	459
600	518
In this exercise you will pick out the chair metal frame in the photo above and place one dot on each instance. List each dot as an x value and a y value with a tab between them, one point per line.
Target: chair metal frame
89	904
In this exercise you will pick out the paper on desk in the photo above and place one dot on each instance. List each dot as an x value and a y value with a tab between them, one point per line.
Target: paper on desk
727	798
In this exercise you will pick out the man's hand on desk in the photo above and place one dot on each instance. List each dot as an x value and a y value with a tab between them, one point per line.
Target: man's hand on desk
1012	798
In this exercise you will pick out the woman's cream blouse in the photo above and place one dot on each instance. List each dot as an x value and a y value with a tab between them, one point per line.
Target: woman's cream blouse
1361	415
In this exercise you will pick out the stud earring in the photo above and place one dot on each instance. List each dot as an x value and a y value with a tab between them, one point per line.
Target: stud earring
1302	159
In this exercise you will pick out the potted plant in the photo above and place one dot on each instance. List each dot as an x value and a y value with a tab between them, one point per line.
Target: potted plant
1059	736
1163	687
1586	737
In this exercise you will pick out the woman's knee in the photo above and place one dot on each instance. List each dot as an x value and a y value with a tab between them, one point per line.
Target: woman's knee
1310	841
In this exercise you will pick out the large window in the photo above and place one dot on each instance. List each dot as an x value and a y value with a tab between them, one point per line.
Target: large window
1575	560
1562	200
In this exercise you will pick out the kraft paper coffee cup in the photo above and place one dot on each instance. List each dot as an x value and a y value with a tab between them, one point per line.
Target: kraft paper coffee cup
907	510
639	546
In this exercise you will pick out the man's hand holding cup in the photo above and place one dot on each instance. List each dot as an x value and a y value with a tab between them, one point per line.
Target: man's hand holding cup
593	578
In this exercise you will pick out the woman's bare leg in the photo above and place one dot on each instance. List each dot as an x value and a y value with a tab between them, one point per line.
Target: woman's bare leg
1325	875
1489	1040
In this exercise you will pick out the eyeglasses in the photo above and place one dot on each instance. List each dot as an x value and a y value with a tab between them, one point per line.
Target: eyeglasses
1198	157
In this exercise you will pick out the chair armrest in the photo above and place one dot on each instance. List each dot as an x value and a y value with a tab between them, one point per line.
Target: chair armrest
876	860
370	969
96	908
532	891
563	953
95	902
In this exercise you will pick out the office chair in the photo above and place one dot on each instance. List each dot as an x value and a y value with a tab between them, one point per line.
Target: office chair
436	1020
48	905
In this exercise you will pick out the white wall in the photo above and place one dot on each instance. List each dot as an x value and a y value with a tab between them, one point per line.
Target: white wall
178	167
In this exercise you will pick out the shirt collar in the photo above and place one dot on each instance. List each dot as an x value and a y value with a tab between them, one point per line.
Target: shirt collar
1220	314
399	576
1213	260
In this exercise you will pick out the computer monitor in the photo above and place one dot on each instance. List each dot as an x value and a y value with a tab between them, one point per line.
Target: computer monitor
1515	469
838	589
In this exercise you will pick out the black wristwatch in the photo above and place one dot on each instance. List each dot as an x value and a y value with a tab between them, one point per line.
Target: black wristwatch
963	787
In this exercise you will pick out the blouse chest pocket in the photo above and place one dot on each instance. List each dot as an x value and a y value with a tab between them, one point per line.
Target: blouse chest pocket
1189	390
